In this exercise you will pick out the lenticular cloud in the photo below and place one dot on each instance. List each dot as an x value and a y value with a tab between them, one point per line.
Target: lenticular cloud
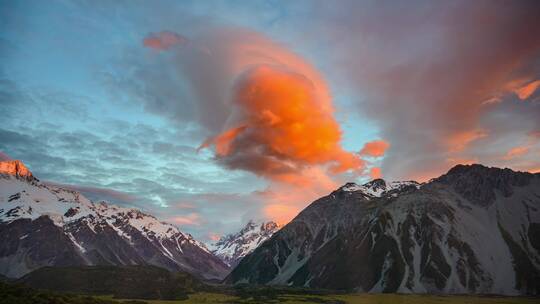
281	126
275	109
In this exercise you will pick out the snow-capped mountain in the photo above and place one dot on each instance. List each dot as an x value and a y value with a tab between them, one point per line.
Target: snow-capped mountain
472	230
42	225
379	187
233	247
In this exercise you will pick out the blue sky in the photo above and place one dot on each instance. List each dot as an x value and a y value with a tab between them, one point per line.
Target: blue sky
85	104
66	122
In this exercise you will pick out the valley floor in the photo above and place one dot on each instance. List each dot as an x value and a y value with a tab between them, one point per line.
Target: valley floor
207	298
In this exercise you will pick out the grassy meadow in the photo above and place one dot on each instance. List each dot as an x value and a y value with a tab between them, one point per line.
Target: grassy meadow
207	298
20	294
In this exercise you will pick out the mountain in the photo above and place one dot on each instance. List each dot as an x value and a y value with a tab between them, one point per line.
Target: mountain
473	230
126	282
233	247
42	225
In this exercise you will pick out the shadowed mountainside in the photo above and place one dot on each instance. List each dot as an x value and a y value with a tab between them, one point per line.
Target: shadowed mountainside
472	230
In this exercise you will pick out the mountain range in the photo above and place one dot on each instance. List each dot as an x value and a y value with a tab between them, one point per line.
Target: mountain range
472	230
233	247
43	225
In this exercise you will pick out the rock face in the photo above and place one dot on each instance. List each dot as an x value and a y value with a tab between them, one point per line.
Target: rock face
233	247
472	230
42	225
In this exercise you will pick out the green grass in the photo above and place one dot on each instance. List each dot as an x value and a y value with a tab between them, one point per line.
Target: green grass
141	282
15	293
207	298
430	299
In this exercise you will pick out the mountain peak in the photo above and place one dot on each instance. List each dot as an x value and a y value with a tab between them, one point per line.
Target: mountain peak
479	183
15	168
233	247
461	168
379	187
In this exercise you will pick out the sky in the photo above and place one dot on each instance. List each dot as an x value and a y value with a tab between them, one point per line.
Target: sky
210	113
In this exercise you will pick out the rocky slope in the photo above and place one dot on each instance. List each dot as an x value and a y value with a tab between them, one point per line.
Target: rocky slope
233	247
472	230
41	225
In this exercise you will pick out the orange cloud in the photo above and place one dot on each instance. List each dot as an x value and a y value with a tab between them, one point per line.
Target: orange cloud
192	219
269	112
527	90
281	213
516	152
163	40
222	141
283	125
375	148
457	142
284	199
214	236
375	173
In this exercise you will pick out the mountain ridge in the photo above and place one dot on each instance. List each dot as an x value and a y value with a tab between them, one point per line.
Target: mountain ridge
232	248
472	230
44	225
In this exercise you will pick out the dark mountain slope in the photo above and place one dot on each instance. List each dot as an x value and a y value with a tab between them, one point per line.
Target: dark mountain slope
472	230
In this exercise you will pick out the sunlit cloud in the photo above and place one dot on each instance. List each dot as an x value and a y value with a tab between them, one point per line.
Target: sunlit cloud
527	90
191	219
281	126
214	236
516	152
375	173
375	148
457	142
269	112
163	40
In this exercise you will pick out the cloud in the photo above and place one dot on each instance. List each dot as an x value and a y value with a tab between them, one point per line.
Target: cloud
516	152
424	78
214	237
281	213
458	141
281	201
268	112
191	219
527	90
375	173
281	125
163	40
375	148
98	193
